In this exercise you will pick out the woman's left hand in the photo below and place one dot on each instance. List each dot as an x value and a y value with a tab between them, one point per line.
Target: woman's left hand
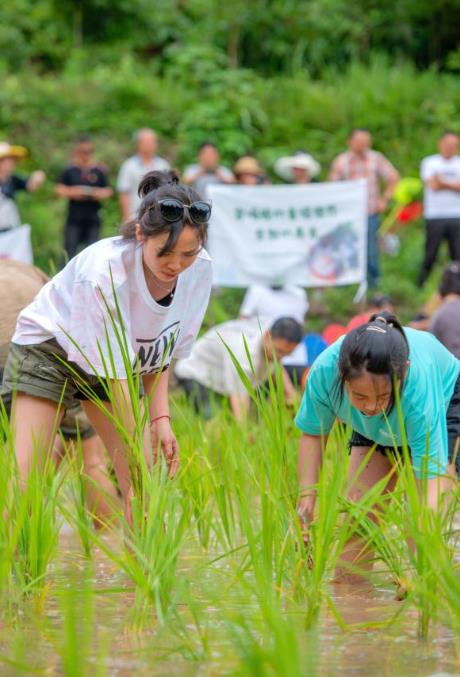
163	437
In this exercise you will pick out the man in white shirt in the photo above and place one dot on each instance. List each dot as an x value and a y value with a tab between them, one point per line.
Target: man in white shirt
441	176
208	171
135	167
254	344
270	303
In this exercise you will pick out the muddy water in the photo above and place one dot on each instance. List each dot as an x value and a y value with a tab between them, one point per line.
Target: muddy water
34	642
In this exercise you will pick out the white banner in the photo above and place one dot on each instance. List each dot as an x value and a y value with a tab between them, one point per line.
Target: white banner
15	244
313	235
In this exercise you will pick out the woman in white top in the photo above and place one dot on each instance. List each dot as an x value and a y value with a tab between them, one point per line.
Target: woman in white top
153	282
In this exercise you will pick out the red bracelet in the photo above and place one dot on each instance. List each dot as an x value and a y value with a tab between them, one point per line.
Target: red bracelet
157	418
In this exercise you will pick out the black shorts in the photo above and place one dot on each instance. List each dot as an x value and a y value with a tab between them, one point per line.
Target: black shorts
453	433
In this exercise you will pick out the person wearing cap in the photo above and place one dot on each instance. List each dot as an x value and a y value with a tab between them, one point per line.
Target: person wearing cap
360	161
248	172
11	183
208	171
299	168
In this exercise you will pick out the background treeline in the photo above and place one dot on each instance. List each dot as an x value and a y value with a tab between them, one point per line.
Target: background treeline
270	36
265	77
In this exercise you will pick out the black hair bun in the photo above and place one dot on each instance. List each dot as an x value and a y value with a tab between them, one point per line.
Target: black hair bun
153	180
385	317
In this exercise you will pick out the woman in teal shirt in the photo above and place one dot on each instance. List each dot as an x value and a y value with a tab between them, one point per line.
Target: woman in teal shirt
353	381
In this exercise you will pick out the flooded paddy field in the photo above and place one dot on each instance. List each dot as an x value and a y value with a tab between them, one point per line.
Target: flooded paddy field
215	580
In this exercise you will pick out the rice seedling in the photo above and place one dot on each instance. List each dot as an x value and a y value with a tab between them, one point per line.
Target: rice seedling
213	570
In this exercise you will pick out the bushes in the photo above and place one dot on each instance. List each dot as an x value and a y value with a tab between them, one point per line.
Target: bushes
198	97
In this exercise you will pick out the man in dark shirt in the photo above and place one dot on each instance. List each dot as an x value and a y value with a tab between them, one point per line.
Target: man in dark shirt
11	183
84	183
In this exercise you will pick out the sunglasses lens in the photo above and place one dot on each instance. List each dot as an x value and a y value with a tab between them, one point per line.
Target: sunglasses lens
171	210
200	212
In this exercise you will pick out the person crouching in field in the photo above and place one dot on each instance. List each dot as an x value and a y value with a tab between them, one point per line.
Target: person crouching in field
19	284
210	369
150	285
354	380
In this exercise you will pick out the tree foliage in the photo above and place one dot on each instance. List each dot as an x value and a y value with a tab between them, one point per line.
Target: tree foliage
271	36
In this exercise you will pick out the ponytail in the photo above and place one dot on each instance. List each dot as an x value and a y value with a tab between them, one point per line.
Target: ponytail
379	347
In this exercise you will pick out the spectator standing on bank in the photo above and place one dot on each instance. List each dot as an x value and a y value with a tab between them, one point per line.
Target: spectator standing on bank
248	172
11	183
85	184
361	162
135	168
441	204
271	303
207	171
445	323
299	168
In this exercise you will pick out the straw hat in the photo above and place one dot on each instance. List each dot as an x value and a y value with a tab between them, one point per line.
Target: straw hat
16	152
300	160
247	165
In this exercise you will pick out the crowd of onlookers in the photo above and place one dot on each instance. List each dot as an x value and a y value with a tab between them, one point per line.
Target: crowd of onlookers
268	314
85	183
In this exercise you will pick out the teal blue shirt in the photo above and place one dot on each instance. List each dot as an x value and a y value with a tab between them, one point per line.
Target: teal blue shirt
426	393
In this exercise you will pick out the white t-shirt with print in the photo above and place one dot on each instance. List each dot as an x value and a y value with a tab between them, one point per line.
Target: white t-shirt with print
130	175
211	364
103	289
441	204
271	304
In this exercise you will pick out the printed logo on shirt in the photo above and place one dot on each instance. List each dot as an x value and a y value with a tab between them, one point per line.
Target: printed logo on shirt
155	353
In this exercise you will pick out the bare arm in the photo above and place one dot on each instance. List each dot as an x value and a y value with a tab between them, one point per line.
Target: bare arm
100	193
35	180
224	177
438	183
308	465
239	405
73	192
392	182
191	176
289	390
157	387
438	486
125	206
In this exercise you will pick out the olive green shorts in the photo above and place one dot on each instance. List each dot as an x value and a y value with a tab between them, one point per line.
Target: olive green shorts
38	370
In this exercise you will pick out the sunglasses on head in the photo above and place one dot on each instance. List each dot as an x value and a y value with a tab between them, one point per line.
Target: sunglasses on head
173	210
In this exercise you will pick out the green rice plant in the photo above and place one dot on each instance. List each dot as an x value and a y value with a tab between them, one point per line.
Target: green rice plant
425	530
209	461
149	553
76	487
76	603
35	526
272	642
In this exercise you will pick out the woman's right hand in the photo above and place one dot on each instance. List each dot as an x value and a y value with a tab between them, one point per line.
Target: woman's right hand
305	515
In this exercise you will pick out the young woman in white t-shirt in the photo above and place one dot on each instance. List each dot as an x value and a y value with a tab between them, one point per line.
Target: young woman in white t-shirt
154	281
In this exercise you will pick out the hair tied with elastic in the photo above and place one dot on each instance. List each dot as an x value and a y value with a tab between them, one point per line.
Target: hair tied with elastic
155	179
379	329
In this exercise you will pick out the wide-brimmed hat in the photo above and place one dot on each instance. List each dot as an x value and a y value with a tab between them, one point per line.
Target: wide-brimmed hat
247	165
300	160
16	152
